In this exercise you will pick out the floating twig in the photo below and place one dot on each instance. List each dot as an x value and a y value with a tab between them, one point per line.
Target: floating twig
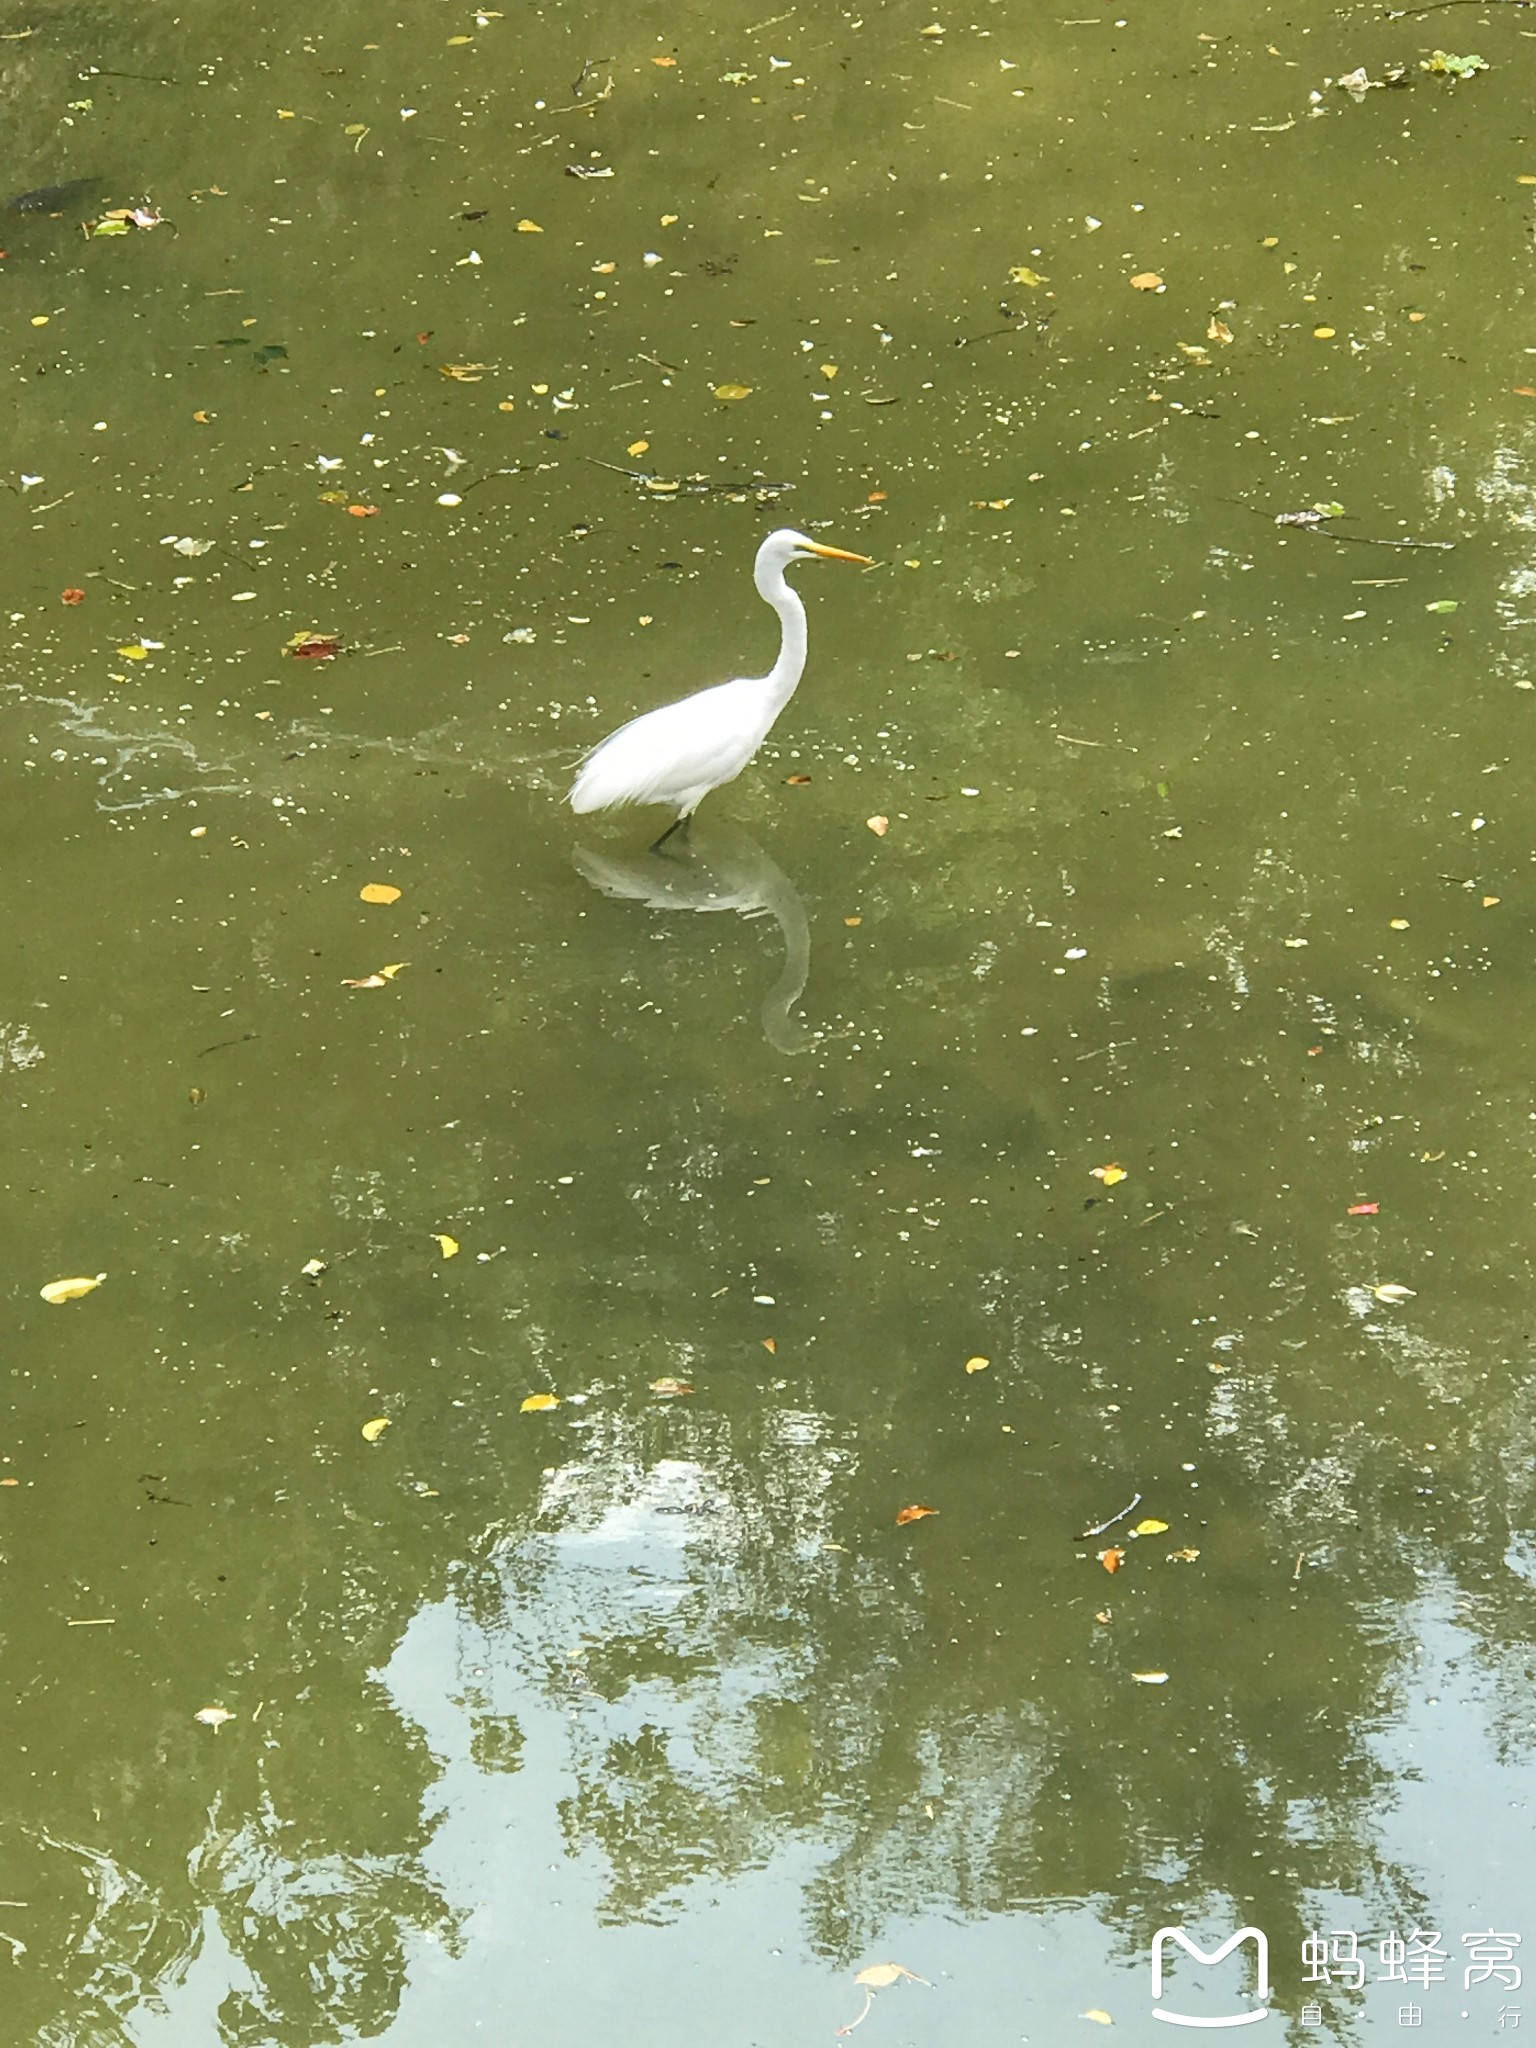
1099	1527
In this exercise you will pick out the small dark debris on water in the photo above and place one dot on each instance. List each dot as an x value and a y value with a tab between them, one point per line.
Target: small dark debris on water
72	194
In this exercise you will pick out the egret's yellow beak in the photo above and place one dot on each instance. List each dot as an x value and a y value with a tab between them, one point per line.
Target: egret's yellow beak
841	555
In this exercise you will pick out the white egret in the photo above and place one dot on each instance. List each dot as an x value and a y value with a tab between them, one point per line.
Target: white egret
676	755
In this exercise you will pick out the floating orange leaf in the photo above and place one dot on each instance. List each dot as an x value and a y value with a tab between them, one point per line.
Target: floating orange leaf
73	596
665	63
1112	1559
771	1344
913	1514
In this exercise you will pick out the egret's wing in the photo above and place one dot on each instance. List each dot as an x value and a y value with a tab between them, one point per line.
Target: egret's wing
675	753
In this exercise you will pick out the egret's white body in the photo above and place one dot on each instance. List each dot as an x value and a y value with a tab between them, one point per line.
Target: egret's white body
676	755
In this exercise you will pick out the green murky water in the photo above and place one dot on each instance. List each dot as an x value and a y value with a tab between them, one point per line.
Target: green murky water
1209	858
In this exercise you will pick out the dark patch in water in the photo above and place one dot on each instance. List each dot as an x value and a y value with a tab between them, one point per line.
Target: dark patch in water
54	198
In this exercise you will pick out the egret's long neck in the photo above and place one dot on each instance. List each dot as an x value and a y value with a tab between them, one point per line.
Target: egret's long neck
773	588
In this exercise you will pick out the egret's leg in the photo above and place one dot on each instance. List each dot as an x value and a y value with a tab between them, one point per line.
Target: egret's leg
680	823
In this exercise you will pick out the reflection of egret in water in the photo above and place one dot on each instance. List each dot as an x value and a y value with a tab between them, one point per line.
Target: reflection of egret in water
726	871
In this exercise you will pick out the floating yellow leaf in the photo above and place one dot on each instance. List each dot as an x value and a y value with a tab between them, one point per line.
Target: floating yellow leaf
733	390
58	1291
1099	2015
134	651
379	892
449	1246
372	1431
829	369
977	1364
1151	1526
879	1975
1022	274
529	227
1110	1175
457	42
637	447
1325	333
670	220
1147	281
665	64
878	825
1218	331
536	1404
395	967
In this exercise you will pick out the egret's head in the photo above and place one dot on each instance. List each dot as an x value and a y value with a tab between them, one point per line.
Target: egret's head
786	546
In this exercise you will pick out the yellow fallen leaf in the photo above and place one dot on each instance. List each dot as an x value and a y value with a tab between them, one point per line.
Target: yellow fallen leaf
670	220
58	1291
1325	333
449	1246
637	447
529	227
1110	1175
372	1431
1147	281
1218	331
1151	1526
395	967
733	390
879	1975
829	369
665	64
1098	2014
456	42
364	981
977	1364
1022	274
536	1404
379	892
134	651
878	825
